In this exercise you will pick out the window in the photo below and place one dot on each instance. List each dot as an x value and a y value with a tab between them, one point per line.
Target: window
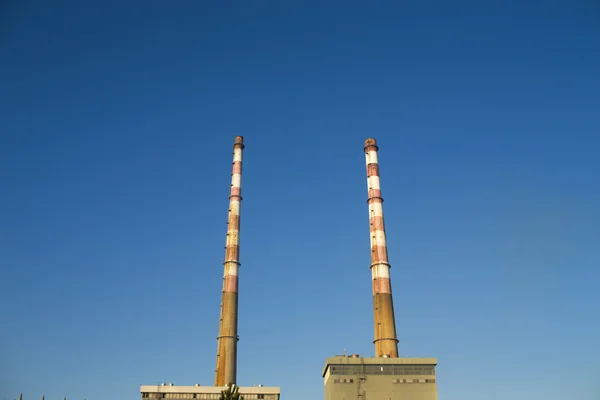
385	369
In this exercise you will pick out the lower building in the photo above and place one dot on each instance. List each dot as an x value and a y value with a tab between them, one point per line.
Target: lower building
360	378
170	391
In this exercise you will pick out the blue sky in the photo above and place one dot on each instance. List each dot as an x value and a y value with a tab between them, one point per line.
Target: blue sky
116	126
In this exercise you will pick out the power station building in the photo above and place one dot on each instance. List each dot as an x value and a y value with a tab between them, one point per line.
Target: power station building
385	376
226	362
355	377
172	392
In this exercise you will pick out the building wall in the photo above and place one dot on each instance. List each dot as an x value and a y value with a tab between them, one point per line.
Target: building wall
160	392
382	388
403	380
205	396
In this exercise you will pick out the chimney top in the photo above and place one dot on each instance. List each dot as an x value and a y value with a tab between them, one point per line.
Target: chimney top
371	142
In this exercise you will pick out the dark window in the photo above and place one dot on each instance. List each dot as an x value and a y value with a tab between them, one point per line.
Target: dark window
385	369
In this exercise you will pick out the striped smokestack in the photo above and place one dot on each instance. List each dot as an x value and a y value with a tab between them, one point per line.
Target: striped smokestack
386	343
225	373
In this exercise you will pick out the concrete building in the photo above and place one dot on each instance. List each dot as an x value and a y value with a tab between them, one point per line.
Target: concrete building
354	377
172	392
385	376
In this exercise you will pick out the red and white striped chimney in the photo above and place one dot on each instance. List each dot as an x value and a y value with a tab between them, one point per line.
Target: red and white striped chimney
386	343
225	372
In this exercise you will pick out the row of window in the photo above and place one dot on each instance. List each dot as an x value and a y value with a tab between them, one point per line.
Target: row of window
204	396
414	380
395	380
382	370
343	380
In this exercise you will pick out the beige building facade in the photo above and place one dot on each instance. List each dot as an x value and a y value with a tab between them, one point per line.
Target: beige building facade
171	392
361	378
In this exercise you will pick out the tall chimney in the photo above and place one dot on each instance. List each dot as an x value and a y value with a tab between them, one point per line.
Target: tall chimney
386	343
225	372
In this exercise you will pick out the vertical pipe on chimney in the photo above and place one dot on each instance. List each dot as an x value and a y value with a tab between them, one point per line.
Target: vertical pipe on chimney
225	372
386	343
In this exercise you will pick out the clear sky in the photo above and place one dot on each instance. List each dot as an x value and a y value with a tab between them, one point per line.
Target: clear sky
116	125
